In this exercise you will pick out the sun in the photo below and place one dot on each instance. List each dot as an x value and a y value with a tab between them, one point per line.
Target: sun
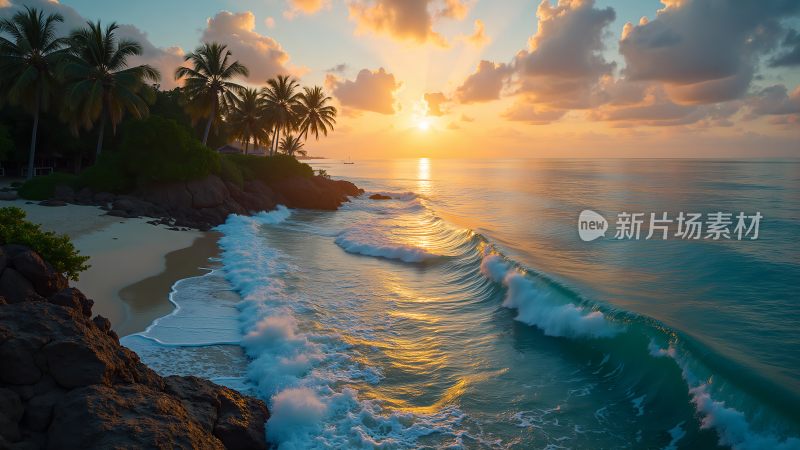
424	124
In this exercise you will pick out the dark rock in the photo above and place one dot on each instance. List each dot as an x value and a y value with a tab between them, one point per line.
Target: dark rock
84	196
16	288
39	410
63	192
379	197
208	192
8	195
3	259
10	414
16	354
46	281
168	195
128	416
73	298
52	202
102	323
238	425
103	198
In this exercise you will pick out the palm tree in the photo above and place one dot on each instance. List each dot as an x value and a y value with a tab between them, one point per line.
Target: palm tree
248	118
207	82
282	100
28	64
291	145
313	112
100	85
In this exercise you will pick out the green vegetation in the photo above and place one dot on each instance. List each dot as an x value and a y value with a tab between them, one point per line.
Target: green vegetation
55	249
146	135
42	188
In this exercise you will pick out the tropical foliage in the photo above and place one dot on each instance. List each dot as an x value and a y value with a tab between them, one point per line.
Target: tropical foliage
207	85
28	63
82	88
99	83
55	249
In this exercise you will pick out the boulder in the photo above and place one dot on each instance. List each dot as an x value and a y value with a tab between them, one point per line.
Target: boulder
8	195
73	298
10	414
103	198
128	416
208	192
46	281
15	288
64	193
379	197
169	196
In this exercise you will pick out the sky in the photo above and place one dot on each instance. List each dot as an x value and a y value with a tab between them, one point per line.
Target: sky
503	78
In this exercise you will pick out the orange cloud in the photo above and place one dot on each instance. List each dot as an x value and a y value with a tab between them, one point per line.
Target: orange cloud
435	100
307	7
262	54
370	91
408	20
485	84
478	37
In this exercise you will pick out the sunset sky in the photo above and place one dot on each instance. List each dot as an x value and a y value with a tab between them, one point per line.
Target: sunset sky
515	78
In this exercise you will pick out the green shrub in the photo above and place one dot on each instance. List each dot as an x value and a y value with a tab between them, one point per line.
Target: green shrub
42	188
158	149
53	248
108	175
229	171
270	169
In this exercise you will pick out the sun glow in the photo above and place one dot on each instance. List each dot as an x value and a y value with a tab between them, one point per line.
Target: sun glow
424	124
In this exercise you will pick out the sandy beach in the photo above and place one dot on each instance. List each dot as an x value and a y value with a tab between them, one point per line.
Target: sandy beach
133	264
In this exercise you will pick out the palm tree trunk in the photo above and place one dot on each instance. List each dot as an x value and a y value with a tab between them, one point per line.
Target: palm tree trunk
32	152
277	140
210	120
100	137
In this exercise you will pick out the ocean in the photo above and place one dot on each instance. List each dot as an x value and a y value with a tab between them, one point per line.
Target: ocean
467	312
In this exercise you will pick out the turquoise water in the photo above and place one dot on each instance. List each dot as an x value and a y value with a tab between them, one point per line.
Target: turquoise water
467	313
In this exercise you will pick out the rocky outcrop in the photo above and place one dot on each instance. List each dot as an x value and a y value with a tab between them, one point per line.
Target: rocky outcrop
205	203
67	383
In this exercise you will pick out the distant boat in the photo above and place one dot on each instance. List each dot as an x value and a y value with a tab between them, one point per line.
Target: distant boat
349	161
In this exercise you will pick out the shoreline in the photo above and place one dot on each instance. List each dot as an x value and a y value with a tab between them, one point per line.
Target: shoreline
131	277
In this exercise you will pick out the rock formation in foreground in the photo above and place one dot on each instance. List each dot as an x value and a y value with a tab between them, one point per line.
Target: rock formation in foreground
67	383
205	203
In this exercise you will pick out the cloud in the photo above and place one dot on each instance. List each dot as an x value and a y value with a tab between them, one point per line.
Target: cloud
261	54
435	100
790	56
485	84
523	111
478	38
370	91
339	68
166	60
269	22
774	101
307	7
564	61
703	51
407	20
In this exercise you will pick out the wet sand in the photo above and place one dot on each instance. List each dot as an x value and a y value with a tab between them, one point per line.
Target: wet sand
133	264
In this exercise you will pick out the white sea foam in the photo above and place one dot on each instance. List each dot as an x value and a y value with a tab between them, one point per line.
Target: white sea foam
730	424
537	307
370	245
295	370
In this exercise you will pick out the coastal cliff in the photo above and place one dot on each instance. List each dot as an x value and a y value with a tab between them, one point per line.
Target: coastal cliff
207	202
66	382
